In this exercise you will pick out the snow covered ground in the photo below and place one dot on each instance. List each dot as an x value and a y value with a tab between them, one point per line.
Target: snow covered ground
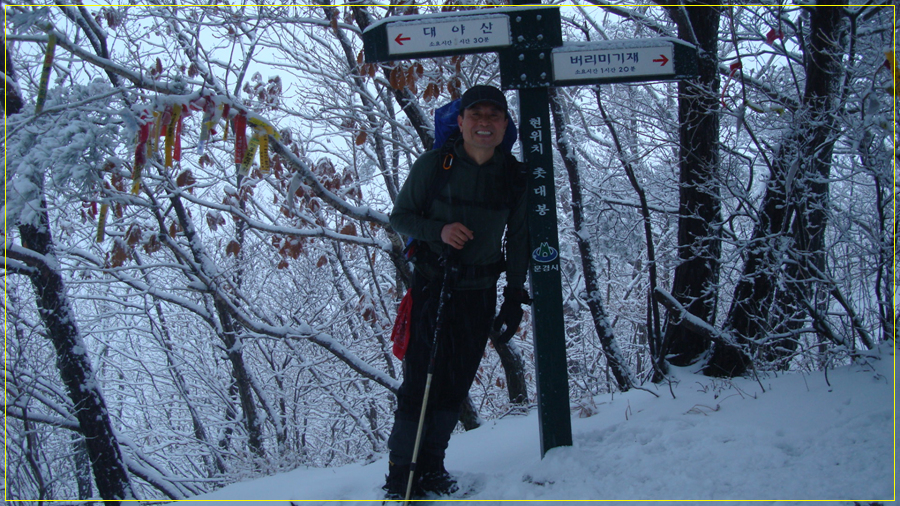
784	439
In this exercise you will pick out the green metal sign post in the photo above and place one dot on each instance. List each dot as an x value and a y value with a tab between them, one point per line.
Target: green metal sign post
533	58
526	66
551	365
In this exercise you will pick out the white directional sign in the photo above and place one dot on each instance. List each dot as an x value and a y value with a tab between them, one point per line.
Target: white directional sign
615	61
458	33
448	33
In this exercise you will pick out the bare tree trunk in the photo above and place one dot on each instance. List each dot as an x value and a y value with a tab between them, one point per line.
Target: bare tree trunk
82	464
468	415
75	369
876	160
699	209
795	199
12	102
229	333
32	450
514	367
614	357
110	473
804	275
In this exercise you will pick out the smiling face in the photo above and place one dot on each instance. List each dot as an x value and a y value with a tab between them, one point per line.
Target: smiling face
483	126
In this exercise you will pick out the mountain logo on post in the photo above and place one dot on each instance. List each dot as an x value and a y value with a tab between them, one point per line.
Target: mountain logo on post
545	253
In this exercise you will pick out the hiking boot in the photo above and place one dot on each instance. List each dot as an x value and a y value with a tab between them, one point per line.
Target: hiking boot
396	482
435	479
438	483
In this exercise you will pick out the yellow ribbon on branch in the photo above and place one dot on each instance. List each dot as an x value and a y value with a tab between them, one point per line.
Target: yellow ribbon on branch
895	72
264	154
249	155
170	133
45	73
101	222
263	131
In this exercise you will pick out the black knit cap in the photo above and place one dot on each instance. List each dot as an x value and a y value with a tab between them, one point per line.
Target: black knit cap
483	93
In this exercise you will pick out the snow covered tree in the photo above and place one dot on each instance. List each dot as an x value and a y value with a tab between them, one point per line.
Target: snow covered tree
34	256
206	193
789	237
696	277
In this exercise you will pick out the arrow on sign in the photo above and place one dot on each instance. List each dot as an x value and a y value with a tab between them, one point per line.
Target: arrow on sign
400	38
662	58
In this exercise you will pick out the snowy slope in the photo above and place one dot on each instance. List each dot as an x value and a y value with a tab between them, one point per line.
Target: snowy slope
784	438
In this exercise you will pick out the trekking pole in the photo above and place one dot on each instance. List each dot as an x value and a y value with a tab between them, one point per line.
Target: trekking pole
449	265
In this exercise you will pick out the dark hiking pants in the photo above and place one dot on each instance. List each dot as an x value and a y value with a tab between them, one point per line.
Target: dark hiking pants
467	321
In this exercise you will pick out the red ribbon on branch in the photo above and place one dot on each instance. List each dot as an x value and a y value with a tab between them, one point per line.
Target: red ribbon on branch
240	137
734	68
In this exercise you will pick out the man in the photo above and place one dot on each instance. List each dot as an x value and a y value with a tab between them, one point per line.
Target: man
461	226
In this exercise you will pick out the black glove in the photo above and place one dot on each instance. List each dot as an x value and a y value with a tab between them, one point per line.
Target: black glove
511	313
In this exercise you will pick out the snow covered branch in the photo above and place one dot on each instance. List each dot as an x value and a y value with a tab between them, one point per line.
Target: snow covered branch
305	174
136	78
697	325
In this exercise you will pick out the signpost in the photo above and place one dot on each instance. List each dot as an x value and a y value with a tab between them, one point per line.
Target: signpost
619	61
533	58
526	66
433	35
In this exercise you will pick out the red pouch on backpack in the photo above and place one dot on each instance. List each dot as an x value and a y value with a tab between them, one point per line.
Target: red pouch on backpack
400	334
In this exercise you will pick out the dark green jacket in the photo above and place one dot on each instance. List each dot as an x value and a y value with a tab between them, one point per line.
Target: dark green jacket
481	202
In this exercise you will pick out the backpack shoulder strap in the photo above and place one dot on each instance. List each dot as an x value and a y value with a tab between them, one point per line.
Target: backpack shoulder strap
442	171
441	177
